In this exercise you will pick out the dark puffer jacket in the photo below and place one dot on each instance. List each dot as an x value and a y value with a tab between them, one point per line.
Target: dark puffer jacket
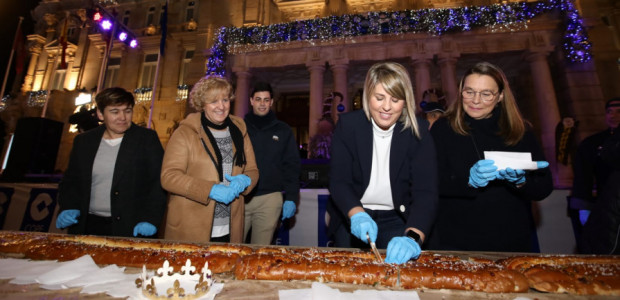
276	154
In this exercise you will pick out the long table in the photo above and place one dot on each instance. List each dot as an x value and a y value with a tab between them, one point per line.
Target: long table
268	290
263	289
33	207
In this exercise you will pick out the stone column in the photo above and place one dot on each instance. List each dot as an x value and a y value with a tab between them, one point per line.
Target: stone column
317	72
242	93
449	83
35	51
422	77
49	71
340	85
92	65
547	106
70	75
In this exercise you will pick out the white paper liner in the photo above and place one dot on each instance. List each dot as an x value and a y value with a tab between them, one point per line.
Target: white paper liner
82	272
320	291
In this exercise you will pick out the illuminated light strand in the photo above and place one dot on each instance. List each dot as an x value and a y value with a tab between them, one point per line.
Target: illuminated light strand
498	17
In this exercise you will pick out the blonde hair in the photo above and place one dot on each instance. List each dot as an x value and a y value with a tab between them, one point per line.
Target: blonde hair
511	123
207	89
396	82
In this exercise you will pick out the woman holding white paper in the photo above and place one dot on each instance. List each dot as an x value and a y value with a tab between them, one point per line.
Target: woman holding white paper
482	208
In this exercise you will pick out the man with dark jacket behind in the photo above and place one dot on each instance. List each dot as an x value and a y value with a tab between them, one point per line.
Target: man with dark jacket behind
279	167
601	233
592	172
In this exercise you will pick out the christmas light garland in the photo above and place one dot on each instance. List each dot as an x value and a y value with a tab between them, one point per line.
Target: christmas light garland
511	16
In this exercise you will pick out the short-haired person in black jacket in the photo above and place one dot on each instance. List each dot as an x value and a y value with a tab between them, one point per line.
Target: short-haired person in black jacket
111	186
601	231
279	165
591	172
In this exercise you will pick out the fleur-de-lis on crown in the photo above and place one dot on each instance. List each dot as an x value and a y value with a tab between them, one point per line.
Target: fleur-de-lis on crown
166	269
188	268
176	290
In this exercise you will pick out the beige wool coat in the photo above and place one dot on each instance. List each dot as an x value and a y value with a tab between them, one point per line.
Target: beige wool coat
188	174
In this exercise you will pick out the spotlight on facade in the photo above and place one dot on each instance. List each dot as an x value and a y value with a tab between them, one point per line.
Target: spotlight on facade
82	98
106	25
122	36
133	43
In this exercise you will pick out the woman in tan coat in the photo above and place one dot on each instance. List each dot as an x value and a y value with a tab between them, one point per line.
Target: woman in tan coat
208	166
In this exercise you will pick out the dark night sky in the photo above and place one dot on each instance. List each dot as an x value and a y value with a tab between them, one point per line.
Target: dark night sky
10	10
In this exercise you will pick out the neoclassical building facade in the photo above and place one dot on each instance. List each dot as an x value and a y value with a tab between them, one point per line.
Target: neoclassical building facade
305	72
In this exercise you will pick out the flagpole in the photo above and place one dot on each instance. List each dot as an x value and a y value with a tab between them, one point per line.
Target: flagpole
8	67
162	45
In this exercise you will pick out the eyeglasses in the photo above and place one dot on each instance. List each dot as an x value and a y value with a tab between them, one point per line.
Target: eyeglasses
486	96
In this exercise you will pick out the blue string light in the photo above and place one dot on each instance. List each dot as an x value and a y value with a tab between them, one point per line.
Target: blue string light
577	47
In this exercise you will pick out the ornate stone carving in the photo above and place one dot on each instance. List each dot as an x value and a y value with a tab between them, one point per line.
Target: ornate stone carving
50	19
81	13
191	25
446	3
365	5
300	9
150	30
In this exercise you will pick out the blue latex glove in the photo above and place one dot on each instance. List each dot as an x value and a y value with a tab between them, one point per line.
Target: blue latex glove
145	229
542	164
515	176
482	172
67	218
583	216
238	182
223	194
362	224
288	209
401	249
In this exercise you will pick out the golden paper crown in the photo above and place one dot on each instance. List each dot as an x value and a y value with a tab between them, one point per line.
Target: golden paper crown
186	284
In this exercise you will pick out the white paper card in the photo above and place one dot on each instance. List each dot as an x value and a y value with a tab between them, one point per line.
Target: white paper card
514	160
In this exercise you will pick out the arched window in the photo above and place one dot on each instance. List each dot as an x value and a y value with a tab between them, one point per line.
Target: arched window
150	16
58	82
189	11
149	67
126	17
185	66
112	72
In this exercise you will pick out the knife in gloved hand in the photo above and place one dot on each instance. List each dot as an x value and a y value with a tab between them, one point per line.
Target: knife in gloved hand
374	248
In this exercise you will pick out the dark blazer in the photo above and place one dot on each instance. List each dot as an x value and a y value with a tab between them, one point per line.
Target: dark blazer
136	194
413	171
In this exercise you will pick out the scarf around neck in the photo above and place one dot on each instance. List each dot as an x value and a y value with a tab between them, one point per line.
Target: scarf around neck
236	136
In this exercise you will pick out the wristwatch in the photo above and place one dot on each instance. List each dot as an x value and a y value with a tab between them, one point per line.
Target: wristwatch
414	236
